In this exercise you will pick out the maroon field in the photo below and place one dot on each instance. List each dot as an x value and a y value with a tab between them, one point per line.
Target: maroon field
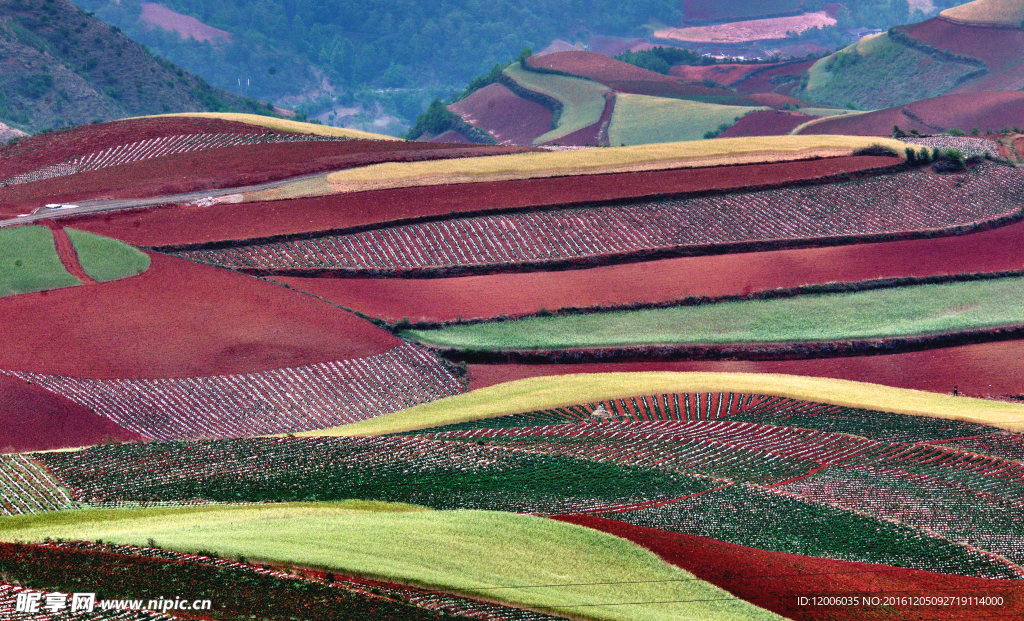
178	319
999	48
225	168
33	419
723	74
766	123
774	580
474	297
761	81
190	224
963	111
504	115
625	78
981	370
728	10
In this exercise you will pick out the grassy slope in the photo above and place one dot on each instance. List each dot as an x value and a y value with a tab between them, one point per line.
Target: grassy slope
1002	12
879	73
548	392
286	125
29	261
582	100
458	550
694	154
883	313
105	259
640	119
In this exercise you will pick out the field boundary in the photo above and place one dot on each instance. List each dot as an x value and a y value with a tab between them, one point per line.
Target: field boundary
801	350
826	180
637	256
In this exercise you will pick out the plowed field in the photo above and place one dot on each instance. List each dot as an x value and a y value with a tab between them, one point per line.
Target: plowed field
504	115
178	319
766	123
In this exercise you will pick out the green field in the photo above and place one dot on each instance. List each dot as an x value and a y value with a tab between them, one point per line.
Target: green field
641	119
105	259
582	100
882	313
878	72
999	12
29	262
540	393
465	551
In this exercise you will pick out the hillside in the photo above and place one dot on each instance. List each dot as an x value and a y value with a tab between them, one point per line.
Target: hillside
65	67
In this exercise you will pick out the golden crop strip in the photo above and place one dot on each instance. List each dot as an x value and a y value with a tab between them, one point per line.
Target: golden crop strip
283	125
542	393
999	12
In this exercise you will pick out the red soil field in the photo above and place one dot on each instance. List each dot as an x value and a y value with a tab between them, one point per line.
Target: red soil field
38	151
982	370
591	135
999	48
760	81
225	168
475	297
774	580
504	115
623	77
723	74
193	224
33	419
178	319
766	123
964	111
775	100
185	25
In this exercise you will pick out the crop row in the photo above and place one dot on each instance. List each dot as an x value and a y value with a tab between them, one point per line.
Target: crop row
27	487
277	401
952	510
443	475
753	516
969	147
421	598
893	204
152	148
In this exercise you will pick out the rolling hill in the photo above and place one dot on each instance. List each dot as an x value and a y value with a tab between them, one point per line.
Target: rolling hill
62	66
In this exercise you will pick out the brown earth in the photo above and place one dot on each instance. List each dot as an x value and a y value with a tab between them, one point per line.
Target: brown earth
766	123
193	224
504	115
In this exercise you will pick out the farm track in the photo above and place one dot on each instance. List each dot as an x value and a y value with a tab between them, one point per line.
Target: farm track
69	256
916	204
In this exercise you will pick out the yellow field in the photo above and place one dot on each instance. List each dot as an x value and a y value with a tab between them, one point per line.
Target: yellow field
548	392
1002	12
285	125
692	154
470	552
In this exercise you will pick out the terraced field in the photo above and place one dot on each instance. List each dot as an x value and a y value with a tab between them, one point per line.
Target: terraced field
583	101
914	201
641	119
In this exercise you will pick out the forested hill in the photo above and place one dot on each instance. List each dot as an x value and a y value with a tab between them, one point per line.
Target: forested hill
285	46
61	66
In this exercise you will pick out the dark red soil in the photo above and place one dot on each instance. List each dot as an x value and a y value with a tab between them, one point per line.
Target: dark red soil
998	48
775	100
67	253
591	135
504	115
192	224
964	111
56	147
760	81
450	137
774	580
178	319
225	168
33	419
474	297
766	123
983	370
625	78
723	74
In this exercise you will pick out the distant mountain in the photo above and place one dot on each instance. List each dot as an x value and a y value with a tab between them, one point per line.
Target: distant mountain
61	66
976	47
